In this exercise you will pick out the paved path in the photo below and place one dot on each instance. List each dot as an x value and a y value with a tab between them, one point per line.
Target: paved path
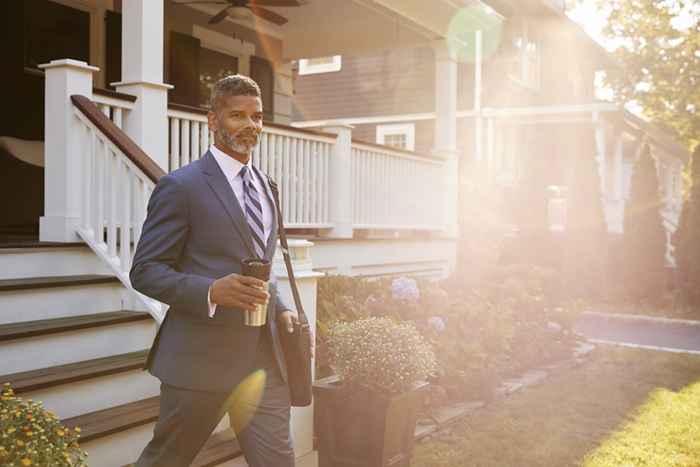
667	334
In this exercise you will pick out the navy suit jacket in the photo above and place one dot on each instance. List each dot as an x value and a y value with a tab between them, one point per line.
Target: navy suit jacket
195	232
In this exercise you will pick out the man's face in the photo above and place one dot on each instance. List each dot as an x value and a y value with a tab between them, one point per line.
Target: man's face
237	124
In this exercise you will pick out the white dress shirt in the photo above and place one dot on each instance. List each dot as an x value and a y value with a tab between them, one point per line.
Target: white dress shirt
231	169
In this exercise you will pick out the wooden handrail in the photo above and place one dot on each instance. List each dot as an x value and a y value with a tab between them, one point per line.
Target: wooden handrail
118	138
203	111
114	94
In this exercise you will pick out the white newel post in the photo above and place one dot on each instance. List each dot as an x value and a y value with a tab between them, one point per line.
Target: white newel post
445	144
62	151
340	182
306	278
142	76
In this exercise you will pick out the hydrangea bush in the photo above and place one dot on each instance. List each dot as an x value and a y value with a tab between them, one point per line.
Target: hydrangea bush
380	354
33	436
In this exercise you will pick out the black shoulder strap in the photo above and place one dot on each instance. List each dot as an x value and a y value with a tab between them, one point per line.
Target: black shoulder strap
285	252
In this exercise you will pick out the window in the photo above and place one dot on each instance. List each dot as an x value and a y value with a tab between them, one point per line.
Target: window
525	67
311	66
397	136
213	66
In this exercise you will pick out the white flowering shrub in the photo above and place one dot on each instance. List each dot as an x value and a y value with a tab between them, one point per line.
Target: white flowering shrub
381	355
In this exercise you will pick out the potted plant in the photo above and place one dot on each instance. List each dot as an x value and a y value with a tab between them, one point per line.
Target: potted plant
31	435
366	415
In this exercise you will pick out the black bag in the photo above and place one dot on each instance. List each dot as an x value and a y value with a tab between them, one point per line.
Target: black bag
296	346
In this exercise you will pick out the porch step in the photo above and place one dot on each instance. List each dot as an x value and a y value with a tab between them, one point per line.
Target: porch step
62	374
31	283
221	446
72	323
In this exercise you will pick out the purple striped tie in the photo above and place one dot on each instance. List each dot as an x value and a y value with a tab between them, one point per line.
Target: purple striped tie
253	211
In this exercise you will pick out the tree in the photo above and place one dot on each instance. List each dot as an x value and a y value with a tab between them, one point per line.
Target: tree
658	50
585	256
644	240
687	237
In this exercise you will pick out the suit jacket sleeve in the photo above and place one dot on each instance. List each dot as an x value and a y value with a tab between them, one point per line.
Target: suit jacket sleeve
154	271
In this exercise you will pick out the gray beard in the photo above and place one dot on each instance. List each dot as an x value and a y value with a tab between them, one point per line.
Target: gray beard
232	141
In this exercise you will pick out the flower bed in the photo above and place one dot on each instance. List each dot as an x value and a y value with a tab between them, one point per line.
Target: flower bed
481	335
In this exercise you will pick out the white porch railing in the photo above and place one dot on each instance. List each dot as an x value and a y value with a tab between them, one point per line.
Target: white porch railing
115	194
297	159
396	189
113	105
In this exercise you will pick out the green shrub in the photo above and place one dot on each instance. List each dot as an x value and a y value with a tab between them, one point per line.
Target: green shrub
31	435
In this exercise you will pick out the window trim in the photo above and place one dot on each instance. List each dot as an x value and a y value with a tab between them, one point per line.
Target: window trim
523	60
407	129
306	68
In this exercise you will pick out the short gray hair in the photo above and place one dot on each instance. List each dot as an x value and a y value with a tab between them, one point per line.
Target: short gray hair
233	85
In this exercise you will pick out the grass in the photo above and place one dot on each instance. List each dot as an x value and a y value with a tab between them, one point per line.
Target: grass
622	402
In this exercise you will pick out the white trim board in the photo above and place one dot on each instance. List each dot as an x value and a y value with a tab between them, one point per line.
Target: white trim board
488	112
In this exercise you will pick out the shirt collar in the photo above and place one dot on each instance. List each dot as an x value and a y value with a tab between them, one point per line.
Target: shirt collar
229	166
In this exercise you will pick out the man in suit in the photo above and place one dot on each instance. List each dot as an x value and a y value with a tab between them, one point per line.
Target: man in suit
203	221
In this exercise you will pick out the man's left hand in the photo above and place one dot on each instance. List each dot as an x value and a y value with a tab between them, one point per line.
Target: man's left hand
287	319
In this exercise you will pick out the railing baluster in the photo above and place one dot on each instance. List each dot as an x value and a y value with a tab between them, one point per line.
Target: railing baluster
88	137
112	174
174	143
125	221
117	116
205	137
286	178
294	182
185	155
99	191
194	141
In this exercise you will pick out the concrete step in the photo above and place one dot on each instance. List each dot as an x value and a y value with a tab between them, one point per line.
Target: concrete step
61	348
87	386
48	297
116	436
25	260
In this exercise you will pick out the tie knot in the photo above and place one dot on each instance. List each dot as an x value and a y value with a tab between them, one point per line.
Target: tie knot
245	174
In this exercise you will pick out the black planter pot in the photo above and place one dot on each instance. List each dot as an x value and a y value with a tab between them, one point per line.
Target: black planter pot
365	429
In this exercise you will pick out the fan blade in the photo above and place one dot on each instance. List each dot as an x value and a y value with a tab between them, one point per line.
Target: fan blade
270	16
274	3
219	16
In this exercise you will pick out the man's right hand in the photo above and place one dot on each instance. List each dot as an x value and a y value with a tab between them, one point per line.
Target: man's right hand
236	291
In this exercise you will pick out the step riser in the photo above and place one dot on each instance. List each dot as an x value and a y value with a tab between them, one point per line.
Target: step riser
37	304
125	447
28	262
69	347
78	398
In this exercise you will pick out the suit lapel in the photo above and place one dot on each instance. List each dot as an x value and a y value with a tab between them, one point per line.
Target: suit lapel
272	238
221	187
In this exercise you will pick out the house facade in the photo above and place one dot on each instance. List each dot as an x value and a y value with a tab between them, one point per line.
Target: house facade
103	97
523	102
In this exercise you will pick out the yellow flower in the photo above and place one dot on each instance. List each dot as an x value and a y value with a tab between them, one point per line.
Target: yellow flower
26	461
20	443
77	429
11	430
60	432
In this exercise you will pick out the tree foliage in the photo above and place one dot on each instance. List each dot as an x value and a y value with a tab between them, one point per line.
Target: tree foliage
687	238
644	234
658	50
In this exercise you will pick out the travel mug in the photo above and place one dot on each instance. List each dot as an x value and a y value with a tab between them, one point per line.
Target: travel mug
260	269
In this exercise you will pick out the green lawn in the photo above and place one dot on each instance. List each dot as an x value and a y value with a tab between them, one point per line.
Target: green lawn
622	402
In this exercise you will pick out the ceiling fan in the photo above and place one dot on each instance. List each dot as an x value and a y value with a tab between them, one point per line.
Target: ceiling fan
244	8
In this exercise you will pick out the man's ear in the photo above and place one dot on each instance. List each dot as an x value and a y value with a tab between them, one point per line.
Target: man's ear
211	118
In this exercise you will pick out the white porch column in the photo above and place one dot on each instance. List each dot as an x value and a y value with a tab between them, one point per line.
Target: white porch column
62	151
142	76
340	182
445	143
306	278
